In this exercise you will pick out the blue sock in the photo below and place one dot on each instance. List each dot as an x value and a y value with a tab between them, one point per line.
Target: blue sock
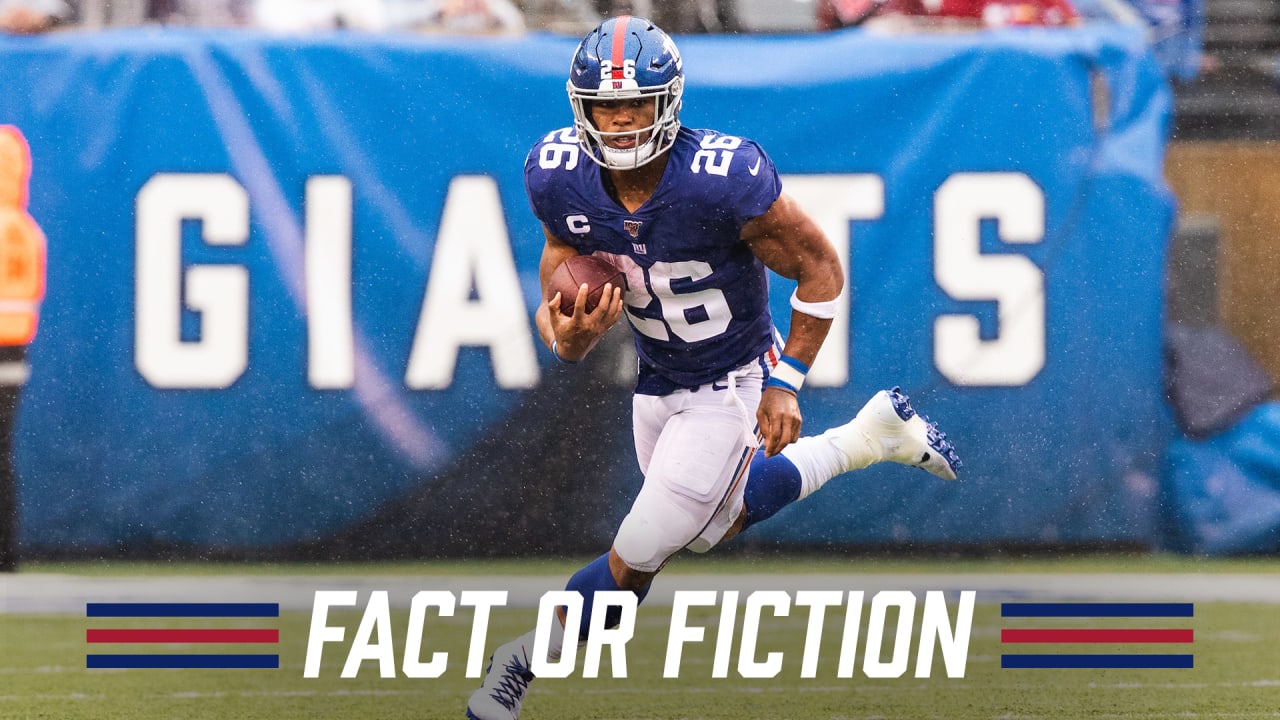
593	578
772	484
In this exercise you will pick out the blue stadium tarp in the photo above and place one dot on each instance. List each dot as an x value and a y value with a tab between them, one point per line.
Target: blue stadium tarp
999	195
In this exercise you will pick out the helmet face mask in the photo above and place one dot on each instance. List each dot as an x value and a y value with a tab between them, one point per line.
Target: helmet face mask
623	59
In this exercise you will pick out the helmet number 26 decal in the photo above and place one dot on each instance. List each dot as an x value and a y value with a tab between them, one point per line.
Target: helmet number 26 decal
628	70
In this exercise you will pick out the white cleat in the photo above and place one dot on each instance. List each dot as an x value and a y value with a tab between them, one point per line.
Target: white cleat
887	428
505	683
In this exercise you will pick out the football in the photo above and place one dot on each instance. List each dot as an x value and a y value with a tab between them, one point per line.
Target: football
592	270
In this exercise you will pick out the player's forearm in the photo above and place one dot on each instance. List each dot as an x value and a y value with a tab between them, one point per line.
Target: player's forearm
818	285
813	305
542	319
806	337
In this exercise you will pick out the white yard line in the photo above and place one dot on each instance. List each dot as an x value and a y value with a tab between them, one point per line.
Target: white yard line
48	593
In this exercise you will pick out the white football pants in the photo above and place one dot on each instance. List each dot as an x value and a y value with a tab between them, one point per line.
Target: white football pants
695	449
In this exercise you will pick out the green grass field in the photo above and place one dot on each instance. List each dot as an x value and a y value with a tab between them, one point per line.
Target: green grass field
1237	673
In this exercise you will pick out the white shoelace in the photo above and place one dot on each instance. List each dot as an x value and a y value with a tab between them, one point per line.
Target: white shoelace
748	426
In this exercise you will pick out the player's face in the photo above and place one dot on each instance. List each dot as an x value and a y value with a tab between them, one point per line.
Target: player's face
621	116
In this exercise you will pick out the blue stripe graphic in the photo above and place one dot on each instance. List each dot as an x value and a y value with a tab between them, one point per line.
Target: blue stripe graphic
1097	610
1097	661
182	610
202	662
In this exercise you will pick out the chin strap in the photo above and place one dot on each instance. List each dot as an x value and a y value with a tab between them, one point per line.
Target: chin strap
628	159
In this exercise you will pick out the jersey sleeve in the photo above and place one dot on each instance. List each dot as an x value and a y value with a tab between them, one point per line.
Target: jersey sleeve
552	180
538	183
756	185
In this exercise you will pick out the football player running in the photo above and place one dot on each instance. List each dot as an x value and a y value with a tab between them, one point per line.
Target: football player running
694	218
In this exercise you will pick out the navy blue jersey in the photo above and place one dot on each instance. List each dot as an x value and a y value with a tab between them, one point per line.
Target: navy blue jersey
696	297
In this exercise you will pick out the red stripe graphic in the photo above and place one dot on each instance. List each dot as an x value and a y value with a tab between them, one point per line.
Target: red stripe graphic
619	45
187	635
1141	635
745	465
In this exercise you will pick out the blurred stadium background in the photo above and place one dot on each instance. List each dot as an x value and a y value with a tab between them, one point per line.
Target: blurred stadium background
291	276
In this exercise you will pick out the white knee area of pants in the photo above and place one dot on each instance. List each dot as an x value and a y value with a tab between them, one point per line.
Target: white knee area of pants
639	543
694	451
701	544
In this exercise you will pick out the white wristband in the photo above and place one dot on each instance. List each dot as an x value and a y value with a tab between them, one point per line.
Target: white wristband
824	310
787	376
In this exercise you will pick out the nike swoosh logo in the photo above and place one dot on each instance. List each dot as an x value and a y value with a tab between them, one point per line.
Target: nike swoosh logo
754	169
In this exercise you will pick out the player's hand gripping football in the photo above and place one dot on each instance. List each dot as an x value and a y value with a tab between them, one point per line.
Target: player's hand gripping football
779	419
578	333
